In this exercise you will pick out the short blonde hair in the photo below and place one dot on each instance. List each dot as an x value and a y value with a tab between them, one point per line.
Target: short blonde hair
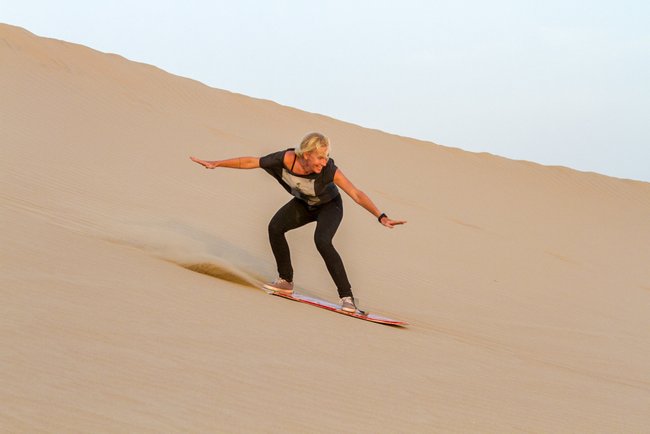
312	142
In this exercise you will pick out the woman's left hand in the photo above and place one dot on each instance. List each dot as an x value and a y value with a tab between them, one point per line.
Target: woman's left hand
390	223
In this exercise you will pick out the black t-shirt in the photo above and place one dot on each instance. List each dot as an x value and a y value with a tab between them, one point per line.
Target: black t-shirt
314	189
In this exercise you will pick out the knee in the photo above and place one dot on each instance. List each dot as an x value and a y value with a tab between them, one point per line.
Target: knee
323	242
276	227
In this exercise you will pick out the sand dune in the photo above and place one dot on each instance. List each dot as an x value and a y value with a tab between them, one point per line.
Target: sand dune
129	275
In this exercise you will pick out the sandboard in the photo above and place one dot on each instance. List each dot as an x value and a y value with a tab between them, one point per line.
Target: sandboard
323	304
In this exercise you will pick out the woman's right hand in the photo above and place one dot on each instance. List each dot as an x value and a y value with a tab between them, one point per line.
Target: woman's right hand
206	164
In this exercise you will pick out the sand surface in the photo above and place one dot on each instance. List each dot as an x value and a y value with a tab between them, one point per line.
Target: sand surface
128	274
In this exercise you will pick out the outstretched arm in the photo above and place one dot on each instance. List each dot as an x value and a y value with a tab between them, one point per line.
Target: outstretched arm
233	163
362	199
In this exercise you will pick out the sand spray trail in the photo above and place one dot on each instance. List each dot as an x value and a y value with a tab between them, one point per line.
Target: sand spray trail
188	247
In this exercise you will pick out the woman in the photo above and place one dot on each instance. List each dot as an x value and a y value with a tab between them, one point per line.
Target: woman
312	178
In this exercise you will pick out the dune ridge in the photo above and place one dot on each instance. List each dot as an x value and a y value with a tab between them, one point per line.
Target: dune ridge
129	275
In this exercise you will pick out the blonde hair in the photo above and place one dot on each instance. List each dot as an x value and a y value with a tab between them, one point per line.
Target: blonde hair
311	142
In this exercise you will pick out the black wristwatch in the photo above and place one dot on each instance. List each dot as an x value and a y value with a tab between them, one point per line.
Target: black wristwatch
383	214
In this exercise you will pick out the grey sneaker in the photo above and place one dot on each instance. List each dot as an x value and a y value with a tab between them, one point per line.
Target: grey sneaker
347	304
280	285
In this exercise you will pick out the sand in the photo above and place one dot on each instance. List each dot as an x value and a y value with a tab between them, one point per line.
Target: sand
129	275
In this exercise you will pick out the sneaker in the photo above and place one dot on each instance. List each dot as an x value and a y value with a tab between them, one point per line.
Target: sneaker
280	285
347	305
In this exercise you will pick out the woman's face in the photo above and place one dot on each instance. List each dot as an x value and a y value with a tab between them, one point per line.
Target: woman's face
316	160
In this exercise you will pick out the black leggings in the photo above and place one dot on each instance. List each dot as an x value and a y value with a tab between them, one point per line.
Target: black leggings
297	213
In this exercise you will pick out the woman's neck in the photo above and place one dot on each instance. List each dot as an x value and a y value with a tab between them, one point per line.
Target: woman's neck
300	165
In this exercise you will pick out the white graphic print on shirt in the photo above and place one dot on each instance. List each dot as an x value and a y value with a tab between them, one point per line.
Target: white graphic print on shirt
305	187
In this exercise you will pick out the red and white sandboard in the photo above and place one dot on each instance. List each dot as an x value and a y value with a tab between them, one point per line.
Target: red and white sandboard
336	308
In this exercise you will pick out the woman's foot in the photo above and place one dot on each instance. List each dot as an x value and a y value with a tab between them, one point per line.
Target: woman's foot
347	305
280	285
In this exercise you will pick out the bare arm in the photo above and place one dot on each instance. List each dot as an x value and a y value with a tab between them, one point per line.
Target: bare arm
233	163
362	199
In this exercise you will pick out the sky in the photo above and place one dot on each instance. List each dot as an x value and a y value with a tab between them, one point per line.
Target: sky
558	82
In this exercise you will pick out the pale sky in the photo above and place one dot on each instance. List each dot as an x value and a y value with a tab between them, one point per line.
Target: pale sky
559	82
